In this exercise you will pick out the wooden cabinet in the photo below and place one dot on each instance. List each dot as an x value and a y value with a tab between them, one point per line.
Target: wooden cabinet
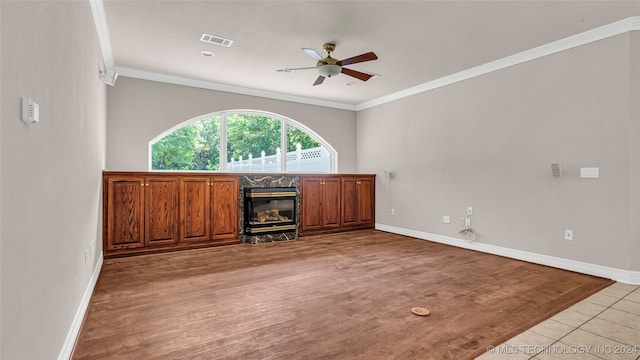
358	204
124	213
161	212
336	203
148	212
194	209
153	213
141	211
224	207
320	203
209	208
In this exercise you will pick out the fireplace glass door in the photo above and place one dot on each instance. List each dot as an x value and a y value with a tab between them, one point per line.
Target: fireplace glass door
269	210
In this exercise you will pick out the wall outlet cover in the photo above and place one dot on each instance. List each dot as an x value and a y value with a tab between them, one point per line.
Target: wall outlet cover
568	234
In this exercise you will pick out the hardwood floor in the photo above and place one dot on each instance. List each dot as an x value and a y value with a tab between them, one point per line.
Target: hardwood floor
339	296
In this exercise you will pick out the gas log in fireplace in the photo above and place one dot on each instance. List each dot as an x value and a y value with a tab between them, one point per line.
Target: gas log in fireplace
269	210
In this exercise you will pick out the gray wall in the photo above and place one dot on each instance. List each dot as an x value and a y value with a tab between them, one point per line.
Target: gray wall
50	172
634	153
140	110
488	142
1	117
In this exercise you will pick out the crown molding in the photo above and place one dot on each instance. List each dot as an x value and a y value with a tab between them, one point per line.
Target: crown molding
100	21
113	71
589	36
616	28
179	80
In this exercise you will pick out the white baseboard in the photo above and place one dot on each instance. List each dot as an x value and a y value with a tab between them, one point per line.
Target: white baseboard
72	335
624	276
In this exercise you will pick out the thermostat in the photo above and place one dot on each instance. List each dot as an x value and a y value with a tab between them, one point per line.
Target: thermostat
30	111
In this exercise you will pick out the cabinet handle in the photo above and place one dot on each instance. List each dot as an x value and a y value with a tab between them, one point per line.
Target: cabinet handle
142	184
146	184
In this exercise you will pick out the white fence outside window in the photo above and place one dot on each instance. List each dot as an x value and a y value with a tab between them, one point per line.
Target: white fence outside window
310	160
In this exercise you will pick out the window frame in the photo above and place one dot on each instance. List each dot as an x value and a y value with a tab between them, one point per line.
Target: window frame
284	125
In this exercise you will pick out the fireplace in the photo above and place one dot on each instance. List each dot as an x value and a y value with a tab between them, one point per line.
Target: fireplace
269	210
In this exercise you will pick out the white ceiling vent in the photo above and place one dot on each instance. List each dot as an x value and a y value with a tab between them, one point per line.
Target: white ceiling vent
216	40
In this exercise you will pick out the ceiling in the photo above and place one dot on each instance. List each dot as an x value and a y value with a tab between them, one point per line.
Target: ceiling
416	41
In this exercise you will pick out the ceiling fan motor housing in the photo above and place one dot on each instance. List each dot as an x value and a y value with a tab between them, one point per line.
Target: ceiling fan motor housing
329	47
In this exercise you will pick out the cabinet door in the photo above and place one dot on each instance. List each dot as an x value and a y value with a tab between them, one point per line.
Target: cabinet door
224	207
331	203
349	201
194	208
125	212
310	203
161	221
366	202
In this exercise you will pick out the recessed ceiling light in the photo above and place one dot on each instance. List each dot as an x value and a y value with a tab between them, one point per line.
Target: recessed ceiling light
206	53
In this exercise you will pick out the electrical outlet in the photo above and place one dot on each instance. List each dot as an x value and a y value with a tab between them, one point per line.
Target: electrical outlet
392	211
469	210
568	234
446	219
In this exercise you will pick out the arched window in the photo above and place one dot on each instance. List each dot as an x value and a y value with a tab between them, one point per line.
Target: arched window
242	141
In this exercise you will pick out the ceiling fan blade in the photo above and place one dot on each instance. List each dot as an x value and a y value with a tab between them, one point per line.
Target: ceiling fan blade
319	80
314	54
357	74
356	59
294	69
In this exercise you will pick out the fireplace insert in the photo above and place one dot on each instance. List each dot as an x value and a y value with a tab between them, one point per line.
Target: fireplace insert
269	210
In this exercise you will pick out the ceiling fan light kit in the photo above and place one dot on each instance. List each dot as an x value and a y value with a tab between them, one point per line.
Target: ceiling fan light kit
329	70
329	67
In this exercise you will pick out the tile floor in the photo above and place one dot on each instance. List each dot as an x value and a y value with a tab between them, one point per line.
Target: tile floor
605	325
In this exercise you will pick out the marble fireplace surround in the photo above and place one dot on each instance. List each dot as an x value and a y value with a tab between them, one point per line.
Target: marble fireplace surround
254	181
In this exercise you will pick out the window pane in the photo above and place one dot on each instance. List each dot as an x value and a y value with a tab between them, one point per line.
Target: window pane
253	143
304	153
193	147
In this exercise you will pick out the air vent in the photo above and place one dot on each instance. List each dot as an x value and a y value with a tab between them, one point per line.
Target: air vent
216	40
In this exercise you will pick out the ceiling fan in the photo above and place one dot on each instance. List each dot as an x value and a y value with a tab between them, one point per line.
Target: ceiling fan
328	66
